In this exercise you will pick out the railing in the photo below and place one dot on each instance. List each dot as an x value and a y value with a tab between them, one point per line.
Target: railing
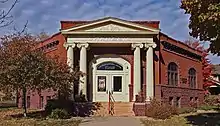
110	103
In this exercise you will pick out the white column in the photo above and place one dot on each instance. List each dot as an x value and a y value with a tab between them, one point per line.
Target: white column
70	55
83	68
149	71
70	62
137	69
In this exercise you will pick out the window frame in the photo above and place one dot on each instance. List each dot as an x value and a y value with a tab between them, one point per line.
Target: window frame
171	101
41	102
173	74
178	102
192	78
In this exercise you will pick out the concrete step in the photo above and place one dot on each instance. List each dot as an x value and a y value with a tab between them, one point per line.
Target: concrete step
120	109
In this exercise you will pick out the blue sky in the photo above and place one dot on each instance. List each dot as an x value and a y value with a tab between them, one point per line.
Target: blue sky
45	15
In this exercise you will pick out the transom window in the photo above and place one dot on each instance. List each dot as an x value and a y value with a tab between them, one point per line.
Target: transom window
172	74
192	78
109	66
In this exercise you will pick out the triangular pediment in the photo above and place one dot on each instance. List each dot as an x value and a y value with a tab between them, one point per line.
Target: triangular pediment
111	25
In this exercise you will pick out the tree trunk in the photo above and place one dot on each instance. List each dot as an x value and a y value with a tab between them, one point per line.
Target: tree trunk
24	102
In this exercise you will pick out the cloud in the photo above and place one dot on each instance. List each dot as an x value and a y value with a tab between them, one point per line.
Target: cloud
46	14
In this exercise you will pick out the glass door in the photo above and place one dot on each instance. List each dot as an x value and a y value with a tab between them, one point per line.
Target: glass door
117	87
102	87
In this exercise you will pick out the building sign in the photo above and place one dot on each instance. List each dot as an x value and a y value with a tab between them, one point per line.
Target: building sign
101	83
184	80
109	66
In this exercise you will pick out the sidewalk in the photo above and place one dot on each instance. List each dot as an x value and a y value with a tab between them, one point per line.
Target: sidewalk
111	121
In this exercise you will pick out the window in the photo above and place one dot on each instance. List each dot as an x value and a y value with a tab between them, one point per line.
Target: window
101	83
192	78
117	83
28	101
109	66
191	99
196	100
173	74
48	98
178	102
41	102
170	100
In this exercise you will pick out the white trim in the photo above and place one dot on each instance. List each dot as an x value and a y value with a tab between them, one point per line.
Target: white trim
126	73
112	32
104	39
112	20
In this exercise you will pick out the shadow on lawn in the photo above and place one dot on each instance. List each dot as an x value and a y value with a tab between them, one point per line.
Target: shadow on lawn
35	114
83	109
204	119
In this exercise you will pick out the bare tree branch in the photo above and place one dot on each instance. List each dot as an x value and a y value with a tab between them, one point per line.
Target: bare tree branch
5	15
4	1
22	30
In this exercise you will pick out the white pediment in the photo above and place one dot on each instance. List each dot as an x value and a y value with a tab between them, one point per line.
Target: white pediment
112	27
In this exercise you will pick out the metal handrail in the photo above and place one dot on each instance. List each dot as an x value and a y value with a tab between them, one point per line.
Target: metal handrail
111	103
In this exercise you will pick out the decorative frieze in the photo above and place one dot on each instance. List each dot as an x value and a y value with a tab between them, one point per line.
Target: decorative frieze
108	40
112	27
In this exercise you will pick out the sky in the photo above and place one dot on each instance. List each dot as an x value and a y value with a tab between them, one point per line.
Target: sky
45	15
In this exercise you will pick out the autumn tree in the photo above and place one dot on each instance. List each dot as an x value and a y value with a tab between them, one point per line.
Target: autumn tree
206	65
23	67
204	21
5	13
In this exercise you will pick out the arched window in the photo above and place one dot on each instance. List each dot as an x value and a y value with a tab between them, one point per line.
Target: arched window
109	66
192	78
172	74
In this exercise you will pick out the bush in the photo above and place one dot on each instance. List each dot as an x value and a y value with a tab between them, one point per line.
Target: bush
211	100
80	98
186	110
207	107
71	107
53	104
159	110
59	114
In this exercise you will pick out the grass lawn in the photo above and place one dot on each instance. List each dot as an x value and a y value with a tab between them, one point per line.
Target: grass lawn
174	121
13	117
203	118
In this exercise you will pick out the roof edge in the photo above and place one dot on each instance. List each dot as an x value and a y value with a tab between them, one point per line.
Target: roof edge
184	44
53	35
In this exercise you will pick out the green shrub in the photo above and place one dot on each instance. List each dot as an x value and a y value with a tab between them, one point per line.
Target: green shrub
59	114
159	110
67	105
81	108
80	98
187	110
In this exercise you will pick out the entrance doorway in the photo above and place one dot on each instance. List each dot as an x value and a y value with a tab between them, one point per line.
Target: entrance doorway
111	75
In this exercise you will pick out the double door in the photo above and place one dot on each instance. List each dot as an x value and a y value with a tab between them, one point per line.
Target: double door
110	83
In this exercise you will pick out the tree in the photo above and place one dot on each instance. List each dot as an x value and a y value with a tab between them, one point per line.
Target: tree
204	21
23	67
42	36
5	17
206	65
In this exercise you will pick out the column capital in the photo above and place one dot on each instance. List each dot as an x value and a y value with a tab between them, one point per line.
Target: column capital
153	45
134	45
66	45
79	45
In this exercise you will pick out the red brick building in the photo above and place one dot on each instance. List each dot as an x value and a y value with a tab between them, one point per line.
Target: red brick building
125	58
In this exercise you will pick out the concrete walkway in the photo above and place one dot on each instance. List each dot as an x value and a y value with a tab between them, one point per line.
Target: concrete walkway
111	121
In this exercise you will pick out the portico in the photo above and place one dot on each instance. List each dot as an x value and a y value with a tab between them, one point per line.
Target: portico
110	71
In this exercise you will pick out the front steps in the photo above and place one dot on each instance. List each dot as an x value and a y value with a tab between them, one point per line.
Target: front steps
120	109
